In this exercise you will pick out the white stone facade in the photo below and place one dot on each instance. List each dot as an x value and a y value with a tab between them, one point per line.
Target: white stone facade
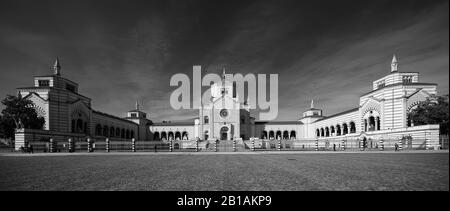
382	112
68	112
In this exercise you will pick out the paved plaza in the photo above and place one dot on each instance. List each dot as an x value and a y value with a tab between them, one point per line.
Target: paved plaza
414	170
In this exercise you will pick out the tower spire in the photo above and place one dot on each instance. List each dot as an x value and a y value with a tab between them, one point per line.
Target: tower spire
223	73
312	103
57	67
394	64
137	105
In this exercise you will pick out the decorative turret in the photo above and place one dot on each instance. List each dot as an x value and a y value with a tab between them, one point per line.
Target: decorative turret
137	105
57	67
223	73
394	64
312	111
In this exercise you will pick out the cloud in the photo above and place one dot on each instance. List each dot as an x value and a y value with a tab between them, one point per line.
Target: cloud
326	51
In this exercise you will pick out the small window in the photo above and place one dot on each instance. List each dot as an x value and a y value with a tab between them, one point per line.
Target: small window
206	120
407	79
44	83
381	84
133	115
315	113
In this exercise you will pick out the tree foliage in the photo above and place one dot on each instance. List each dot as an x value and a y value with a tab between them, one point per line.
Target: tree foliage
18	113
434	110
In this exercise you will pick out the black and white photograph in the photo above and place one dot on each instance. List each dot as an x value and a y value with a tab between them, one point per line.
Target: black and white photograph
252	96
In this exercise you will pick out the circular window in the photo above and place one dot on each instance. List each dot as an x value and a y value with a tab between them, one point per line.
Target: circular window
224	113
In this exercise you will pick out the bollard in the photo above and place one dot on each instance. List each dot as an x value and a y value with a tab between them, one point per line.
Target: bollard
215	145
89	146
400	145
133	145
253	145
361	145
317	145
70	145
381	145
343	145
279	145
52	146
196	145
170	146
234	145
107	145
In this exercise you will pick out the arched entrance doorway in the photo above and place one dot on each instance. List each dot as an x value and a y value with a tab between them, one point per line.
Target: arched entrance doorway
224	133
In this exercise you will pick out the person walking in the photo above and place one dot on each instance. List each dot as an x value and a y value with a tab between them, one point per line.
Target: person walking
334	147
396	147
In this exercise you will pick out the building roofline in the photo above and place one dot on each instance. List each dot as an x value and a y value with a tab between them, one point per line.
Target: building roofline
48	87
397	84
338	114
173	124
56	76
114	117
291	122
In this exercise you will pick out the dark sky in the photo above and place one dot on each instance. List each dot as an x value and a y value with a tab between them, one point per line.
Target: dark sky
120	51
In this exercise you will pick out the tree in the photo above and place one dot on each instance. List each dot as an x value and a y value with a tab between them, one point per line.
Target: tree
432	111
18	113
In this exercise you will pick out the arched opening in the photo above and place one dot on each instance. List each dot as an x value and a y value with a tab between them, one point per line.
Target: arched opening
206	135
322	132
79	128
285	134
317	133
338	130
327	132
224	133
184	135
293	134
122	134
271	134
278	135
344	129
352	127
111	131
177	135
73	126
170	136
378	123
156	136
163	136
127	134
105	131
371	123
332	131
117	132
264	134
98	130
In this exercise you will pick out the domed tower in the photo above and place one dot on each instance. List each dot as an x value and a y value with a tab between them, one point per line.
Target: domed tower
139	117
309	117
312	112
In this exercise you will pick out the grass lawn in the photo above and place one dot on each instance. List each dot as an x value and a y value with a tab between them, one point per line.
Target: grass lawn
341	171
